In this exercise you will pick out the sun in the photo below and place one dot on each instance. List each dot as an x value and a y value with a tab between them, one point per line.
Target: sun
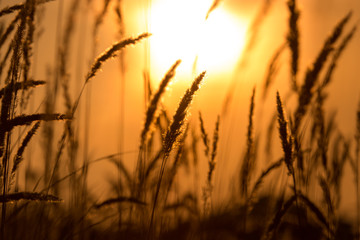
180	31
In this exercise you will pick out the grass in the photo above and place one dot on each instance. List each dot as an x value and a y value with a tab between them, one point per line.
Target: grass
264	203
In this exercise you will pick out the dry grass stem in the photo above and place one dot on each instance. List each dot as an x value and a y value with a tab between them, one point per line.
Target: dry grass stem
313	72
28	119
175	130
30	196
151	112
17	7
23	86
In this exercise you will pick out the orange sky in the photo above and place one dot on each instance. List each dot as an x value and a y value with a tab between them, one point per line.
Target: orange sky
317	20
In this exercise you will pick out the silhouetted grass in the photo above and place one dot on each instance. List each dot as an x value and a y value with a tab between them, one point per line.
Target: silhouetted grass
148	202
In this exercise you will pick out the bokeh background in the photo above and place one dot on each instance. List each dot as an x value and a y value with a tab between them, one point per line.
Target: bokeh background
116	96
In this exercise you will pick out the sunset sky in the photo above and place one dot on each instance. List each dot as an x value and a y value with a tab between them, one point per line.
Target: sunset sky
180	31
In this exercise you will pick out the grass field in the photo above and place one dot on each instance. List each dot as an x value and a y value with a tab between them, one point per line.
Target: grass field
263	144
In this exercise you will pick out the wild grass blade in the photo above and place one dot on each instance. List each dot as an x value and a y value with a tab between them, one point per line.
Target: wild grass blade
19	155
175	130
260	180
293	41
153	106
110	52
285	136
337	55
312	73
23	86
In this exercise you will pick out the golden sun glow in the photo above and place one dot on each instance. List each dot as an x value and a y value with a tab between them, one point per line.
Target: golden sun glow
180	31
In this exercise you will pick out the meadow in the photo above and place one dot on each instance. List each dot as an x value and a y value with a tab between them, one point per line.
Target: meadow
104	139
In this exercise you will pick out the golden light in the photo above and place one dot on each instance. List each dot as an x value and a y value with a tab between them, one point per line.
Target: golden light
180	31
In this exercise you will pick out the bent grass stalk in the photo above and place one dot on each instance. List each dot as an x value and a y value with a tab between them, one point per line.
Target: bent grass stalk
173	133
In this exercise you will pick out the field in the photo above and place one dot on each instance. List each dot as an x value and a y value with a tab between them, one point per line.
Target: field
159	119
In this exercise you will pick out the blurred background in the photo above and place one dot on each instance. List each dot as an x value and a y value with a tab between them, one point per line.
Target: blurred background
112	110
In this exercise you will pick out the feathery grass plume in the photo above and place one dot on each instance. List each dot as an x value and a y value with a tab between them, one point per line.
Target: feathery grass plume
151	117
11	9
293	41
119	200
272	69
271	229
9	29
176	127
30	196
111	52
313	72
19	155
214	5
336	56
28	119
151	114
177	161
286	139
22	85
108	53
260	180
174	132
204	136
17	7
27	45
248	163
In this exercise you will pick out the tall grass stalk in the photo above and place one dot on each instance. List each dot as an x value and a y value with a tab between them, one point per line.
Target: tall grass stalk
175	130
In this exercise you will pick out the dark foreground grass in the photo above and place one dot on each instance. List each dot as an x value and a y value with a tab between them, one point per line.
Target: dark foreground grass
145	202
